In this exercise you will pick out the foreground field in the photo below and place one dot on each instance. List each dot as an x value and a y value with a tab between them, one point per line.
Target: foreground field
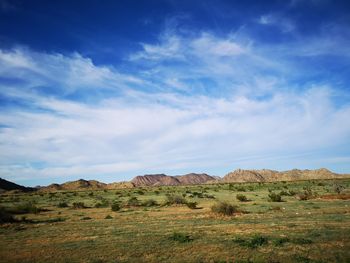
152	227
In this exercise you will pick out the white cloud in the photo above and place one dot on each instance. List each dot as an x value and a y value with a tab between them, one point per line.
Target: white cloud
285	24
252	115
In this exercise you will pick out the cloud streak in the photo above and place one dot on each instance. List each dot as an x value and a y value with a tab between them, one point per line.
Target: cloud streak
194	103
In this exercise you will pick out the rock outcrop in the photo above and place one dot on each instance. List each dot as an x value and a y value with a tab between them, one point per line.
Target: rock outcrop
266	175
162	179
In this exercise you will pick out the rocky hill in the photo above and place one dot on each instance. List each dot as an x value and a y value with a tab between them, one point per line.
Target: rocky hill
162	179
8	186
239	175
266	175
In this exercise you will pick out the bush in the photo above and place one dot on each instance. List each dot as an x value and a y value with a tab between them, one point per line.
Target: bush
140	192
149	203
26	208
86	218
224	208
275	197
108	217
115	206
241	198
62	204
241	189
6	217
103	203
175	199
133	201
253	242
78	205
280	241
181	237
191	205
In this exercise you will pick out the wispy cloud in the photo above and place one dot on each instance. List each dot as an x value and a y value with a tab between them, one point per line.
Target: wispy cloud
197	102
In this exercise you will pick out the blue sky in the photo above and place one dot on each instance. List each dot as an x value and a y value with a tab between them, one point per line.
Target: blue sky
109	90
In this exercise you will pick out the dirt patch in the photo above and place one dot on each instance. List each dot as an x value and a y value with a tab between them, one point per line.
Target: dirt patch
336	196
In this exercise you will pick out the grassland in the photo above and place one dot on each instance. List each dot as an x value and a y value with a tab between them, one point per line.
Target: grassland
313	230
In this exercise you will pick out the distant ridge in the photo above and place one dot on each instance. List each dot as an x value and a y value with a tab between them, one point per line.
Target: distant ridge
238	176
162	179
266	175
8	186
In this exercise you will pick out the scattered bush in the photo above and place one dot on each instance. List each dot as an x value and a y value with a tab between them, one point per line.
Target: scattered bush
338	188
115	206
26	208
191	205
241	189
280	241
78	205
6	217
181	237
273	197
140	192
175	199
103	203
133	201
149	203
241	198
224	208
254	242
302	241
62	204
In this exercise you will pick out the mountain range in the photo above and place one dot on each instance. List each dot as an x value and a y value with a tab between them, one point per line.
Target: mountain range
239	175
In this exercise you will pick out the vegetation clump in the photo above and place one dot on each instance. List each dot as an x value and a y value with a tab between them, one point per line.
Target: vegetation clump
5	216
62	204
253	242
78	205
224	208
273	197
175	200
242	198
115	206
149	203
181	237
133	201
192	205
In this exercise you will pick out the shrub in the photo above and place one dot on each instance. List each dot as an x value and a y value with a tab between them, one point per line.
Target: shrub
253	242
133	201
191	205
224	208
275	197
140	192
302	241
175	199
181	237
338	188
241	198
285	193
103	203
25	209
108	217
115	206
86	218
241	189
78	205
149	203
280	241
6	217
62	204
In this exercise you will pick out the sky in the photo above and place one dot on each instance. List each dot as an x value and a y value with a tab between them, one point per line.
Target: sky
108	90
